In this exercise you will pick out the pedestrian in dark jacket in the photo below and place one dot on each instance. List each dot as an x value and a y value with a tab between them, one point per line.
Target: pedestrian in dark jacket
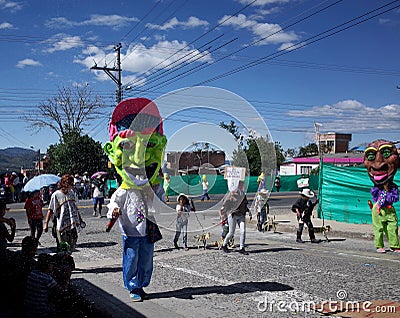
303	207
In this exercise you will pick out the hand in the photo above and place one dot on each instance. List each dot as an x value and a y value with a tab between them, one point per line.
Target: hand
45	227
116	213
11	223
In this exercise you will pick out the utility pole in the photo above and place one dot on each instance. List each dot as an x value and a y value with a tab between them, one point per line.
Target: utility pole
108	70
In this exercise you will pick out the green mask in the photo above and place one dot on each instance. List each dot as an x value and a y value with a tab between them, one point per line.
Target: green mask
137	159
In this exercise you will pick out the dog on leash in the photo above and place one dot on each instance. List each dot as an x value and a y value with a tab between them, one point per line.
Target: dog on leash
201	239
323	229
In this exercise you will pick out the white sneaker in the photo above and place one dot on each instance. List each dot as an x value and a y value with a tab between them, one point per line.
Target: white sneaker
94	213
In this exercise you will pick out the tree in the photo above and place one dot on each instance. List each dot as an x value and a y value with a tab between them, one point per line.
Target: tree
76	154
256	153
280	158
234	130
290	153
68	111
309	150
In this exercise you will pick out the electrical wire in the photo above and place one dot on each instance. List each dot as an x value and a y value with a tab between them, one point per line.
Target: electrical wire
196	39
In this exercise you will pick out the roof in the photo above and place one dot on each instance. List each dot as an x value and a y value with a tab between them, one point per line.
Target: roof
340	158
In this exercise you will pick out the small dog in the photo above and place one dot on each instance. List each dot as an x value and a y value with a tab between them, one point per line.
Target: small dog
201	239
323	229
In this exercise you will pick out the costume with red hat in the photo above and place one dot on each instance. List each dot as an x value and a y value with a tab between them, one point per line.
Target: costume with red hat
382	160
136	149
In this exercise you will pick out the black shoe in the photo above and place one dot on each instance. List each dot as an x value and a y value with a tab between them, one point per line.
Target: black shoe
243	251
299	241
143	294
315	241
225	249
176	245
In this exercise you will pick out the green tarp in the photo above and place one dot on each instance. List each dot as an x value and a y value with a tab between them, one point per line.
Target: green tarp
345	193
191	184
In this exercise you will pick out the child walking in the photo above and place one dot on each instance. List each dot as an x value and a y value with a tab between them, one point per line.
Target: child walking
182	208
34	212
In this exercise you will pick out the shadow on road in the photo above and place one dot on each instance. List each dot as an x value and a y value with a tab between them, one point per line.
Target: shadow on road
96	244
243	287
106	304
111	269
272	250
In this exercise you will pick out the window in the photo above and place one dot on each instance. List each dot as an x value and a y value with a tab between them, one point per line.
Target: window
305	169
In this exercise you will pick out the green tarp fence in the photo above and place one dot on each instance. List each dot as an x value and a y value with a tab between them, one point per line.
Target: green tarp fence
345	193
191	184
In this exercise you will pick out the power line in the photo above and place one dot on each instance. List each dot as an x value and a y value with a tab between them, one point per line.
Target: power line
307	42
265	37
198	38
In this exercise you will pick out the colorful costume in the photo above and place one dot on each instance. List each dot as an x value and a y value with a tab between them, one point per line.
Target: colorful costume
136	148
262	208
382	160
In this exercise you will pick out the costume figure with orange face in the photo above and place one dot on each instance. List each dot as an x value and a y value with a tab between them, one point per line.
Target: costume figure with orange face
136	149
382	160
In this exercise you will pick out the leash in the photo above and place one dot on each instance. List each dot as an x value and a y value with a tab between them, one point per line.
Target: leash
194	210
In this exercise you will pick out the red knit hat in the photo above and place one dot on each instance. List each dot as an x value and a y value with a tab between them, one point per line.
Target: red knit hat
139	114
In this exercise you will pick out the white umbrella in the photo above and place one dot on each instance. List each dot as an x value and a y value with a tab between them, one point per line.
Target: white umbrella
40	181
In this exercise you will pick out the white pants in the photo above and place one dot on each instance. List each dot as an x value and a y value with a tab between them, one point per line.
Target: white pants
232	221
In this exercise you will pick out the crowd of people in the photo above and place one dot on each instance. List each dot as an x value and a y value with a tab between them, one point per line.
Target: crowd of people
37	285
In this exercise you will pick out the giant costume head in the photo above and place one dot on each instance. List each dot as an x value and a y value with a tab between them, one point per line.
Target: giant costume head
137	142
381	160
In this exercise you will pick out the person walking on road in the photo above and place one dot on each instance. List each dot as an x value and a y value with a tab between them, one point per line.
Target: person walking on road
166	185
98	185
182	208
303	207
277	183
34	213
204	184
67	218
236	206
261	207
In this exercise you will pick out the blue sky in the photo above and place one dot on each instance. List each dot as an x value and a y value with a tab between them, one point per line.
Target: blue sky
270	53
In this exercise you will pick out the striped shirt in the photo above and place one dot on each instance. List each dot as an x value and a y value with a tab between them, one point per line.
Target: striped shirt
38	288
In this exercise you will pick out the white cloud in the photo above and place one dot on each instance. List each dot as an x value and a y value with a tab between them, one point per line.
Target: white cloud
10	5
192	22
353	116
265	33
139	58
6	25
28	62
114	21
63	42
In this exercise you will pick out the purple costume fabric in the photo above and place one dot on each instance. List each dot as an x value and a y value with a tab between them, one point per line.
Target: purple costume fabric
383	198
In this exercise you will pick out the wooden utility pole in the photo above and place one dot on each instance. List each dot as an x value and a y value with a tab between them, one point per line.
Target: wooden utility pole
117	69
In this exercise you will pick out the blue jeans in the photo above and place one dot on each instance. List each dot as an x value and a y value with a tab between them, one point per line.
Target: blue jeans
205	195
137	262
181	226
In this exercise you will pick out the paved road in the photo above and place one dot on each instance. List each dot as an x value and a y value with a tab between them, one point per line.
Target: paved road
275	280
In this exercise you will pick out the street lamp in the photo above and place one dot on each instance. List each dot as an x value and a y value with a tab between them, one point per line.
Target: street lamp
38	151
317	126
